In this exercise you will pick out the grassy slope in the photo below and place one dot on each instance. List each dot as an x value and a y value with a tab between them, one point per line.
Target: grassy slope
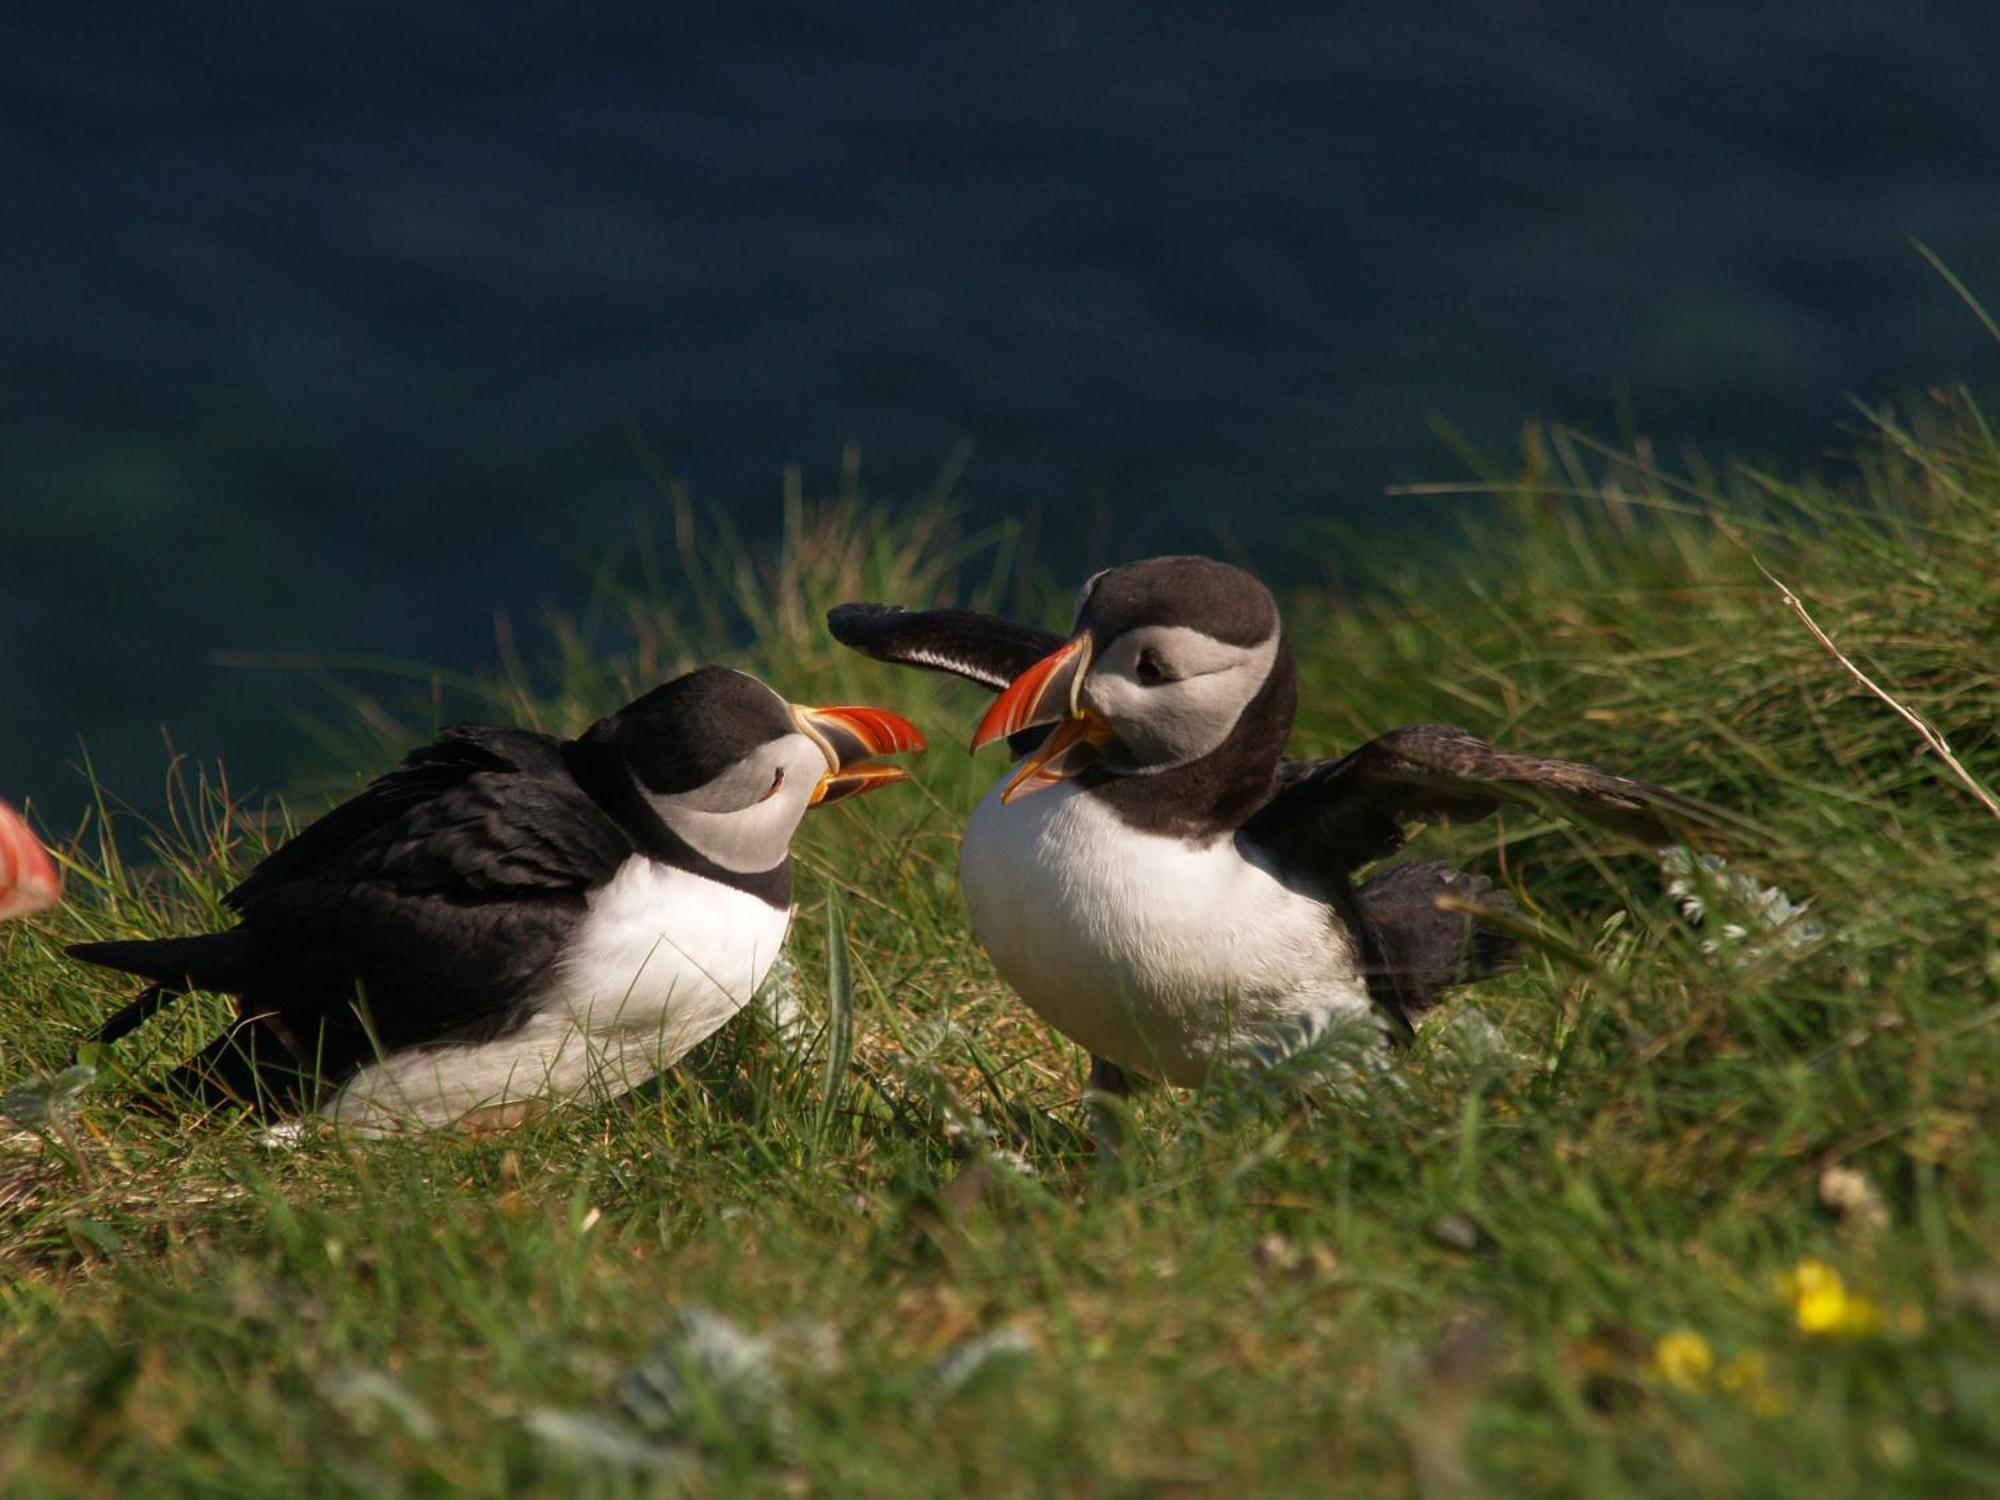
1457	1287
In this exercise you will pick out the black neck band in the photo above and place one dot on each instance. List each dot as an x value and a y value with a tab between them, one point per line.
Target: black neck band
1215	795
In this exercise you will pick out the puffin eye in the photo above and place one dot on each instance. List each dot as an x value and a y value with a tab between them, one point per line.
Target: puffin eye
1150	670
777	780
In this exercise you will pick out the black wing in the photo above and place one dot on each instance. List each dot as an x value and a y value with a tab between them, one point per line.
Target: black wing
440	895
1338	815
444	888
980	648
434	821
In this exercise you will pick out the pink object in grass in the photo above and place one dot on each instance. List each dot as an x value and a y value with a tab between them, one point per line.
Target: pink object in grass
28	878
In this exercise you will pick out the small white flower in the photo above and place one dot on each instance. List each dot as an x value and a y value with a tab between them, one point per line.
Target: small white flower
1761	910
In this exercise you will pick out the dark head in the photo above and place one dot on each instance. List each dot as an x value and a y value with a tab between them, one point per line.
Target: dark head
1173	663
730	767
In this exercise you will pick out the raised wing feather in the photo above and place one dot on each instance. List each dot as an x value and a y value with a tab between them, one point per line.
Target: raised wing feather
980	648
1345	813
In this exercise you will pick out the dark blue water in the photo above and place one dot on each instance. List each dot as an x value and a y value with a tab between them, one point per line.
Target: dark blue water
321	327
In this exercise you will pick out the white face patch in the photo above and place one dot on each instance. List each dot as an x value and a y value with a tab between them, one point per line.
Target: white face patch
1173	694
744	819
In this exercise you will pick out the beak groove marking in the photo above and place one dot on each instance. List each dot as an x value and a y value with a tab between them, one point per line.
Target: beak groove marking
1044	694
1049	692
848	735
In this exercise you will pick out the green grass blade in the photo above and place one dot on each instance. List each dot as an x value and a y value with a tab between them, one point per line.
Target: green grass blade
839	1016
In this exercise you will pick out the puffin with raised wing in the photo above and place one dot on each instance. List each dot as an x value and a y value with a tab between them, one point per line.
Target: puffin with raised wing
1158	881
509	919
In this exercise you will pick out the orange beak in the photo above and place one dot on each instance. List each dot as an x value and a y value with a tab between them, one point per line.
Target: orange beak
1049	692
848	736
28	879
1043	694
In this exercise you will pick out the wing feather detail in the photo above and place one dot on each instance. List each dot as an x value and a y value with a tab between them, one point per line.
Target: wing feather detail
1351	811
440	895
978	647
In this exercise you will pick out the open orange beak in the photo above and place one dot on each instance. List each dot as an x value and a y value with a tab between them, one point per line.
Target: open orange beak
28	879
848	737
1049	692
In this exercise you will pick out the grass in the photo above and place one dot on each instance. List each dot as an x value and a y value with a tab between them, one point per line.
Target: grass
1549	1256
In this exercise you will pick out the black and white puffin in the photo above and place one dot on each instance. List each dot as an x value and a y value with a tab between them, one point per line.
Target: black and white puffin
510	918
1157	880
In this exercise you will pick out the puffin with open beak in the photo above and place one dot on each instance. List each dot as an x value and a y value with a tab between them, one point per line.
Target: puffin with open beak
1155	877
510	919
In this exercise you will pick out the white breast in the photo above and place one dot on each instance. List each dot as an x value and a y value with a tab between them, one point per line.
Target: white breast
1155	953
662	959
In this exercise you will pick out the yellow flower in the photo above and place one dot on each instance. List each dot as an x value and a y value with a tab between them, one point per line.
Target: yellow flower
1822	1305
1684	1360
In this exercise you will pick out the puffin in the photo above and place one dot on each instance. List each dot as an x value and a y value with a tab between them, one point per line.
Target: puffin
509	920
1158	881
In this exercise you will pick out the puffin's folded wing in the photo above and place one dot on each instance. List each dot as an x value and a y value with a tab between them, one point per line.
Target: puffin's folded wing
1352	811
980	648
433	777
440	895
517	827
449	910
